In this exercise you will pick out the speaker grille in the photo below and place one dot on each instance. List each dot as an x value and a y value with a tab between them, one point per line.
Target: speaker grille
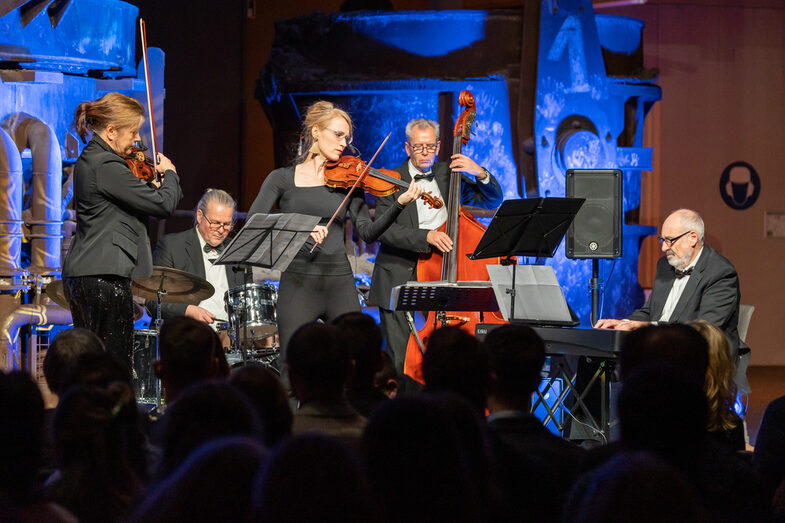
596	231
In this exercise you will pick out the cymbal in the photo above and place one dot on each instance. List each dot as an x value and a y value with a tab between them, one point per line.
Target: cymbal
56	293
180	286
54	289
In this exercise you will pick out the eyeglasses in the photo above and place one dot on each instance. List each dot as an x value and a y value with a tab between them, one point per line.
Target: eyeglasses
670	241
420	147
215	226
340	135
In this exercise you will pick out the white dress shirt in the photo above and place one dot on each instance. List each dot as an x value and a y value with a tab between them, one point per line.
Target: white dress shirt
428	217
677	290
216	276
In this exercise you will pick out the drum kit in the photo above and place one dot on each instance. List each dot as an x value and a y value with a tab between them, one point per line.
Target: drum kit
251	327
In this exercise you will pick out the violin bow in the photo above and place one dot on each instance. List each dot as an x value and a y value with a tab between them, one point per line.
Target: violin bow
357	181
151	118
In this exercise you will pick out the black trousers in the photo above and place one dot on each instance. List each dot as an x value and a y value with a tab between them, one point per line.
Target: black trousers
303	298
104	305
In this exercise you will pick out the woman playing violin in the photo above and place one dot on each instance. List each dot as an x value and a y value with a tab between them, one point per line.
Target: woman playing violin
110	246
320	284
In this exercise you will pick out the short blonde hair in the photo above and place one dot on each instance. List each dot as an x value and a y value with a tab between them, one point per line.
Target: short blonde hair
119	110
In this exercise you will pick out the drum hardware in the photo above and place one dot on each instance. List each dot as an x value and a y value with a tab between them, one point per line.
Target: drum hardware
171	286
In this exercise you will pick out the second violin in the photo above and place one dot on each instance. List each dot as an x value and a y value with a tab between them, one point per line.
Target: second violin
379	182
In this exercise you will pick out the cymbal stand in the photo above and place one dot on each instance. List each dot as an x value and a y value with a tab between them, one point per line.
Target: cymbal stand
159	296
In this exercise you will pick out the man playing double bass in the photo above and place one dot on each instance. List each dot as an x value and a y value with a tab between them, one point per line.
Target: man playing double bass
415	232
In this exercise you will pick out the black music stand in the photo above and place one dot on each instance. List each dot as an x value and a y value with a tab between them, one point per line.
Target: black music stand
270	241
526	227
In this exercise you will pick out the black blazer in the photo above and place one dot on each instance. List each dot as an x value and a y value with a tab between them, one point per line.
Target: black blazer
403	242
712	294
182	250
112	206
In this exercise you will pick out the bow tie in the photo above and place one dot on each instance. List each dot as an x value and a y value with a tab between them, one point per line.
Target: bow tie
424	176
681	274
218	248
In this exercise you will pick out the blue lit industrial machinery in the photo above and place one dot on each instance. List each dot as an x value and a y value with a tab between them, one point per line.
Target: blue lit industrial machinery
592	95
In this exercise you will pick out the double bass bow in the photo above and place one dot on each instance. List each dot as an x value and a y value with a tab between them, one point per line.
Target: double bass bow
465	232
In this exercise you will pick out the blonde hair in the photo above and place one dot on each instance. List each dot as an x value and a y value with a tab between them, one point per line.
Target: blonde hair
119	110
719	386
318	115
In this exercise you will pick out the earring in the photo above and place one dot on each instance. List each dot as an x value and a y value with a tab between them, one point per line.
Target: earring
314	148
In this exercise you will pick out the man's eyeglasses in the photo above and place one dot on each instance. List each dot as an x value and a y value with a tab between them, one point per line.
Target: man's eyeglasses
420	147
340	135
214	226
670	241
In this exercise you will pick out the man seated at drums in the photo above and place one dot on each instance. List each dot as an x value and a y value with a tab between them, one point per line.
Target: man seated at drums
195	250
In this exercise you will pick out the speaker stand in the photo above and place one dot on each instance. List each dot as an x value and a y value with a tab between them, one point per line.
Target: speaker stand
595	290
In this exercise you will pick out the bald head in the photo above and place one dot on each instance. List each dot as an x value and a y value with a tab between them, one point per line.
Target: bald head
682	237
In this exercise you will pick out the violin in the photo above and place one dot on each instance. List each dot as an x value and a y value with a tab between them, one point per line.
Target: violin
380	182
141	165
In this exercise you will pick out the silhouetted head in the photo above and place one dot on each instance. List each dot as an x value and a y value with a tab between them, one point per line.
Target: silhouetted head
269	398
213	484
517	355
65	348
187	354
416	467
634	486
318	362
21	435
204	412
663	410
678	345
455	361
364	338
312	477
97	369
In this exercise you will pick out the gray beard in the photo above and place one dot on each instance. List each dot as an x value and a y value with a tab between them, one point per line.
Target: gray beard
678	263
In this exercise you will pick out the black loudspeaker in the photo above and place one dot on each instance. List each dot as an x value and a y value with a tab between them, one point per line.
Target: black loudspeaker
596	230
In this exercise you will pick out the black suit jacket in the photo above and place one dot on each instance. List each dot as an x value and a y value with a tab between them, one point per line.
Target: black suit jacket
112	206
712	294
403	242
182	250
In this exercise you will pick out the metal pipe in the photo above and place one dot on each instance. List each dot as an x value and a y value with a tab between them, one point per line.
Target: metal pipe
29	131
11	186
26	315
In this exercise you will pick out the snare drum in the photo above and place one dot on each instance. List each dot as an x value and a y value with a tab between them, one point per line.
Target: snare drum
143	373
251	310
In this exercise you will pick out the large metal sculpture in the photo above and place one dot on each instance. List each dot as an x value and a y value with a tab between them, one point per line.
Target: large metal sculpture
58	54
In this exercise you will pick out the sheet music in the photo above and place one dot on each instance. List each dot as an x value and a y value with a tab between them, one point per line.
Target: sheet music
538	295
269	240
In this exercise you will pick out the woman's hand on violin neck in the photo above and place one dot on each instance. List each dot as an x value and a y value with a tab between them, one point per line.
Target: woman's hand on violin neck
464	164
319	233
164	164
414	191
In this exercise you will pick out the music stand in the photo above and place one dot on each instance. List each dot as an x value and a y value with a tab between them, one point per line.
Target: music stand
526	227
270	241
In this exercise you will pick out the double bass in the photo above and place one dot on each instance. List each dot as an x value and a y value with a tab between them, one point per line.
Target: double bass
465	232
